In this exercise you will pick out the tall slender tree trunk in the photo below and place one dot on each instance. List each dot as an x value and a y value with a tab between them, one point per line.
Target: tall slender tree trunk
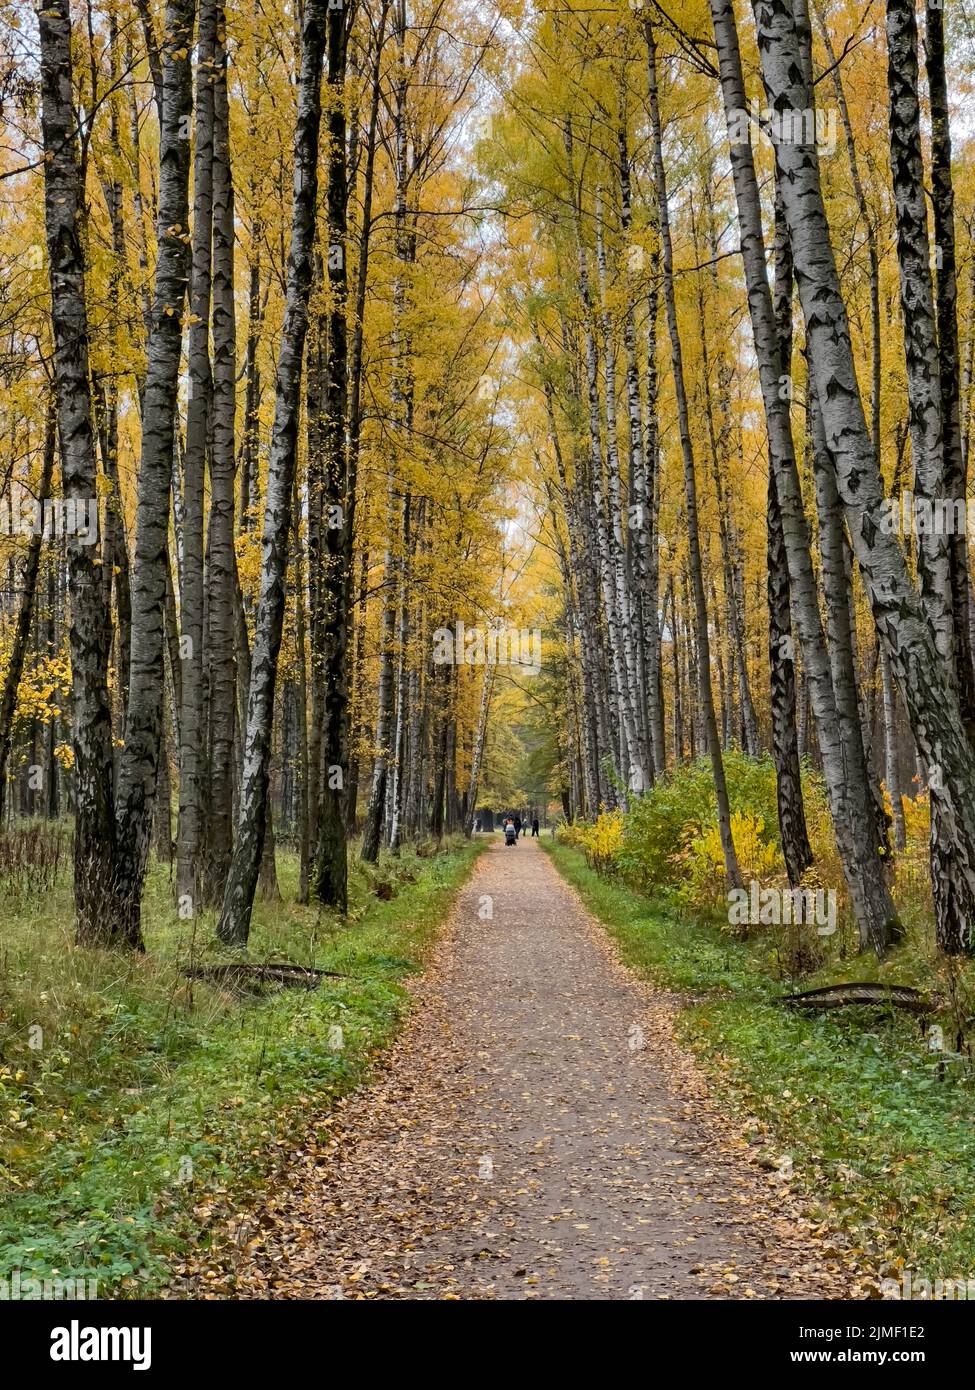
690	484
221	647
946	316
718	441
189	838
414	771
890	753
354	386
315	369
477	758
796	848
163	810
139	762
578	575
358	666
25	611
116	547
331	855
839	628
90	629
599	529
402	411
640	515
238	900
650	594
941	559
638	774
303	835
394	799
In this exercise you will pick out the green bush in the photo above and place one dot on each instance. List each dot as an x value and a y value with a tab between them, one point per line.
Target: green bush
682	806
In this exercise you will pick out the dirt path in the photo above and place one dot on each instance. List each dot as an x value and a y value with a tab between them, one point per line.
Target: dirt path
536	1134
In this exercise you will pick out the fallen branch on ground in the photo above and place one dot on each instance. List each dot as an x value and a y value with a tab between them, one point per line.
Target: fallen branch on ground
836	996
243	974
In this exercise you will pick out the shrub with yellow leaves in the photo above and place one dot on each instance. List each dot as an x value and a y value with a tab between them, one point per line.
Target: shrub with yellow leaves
601	840
912	876
701	860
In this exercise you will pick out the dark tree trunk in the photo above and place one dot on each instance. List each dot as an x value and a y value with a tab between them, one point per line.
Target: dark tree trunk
941	559
90	629
25	612
139	762
782	671
221	648
242	879
189	835
401	424
330	880
946	314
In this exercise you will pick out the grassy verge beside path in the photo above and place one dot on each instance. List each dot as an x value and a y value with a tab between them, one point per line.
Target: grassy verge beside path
135	1101
872	1127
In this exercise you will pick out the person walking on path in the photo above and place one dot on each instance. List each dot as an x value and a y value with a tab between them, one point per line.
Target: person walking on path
517	824
534	827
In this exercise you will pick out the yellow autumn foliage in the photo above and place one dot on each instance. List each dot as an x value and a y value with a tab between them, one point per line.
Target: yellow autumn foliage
702	859
602	839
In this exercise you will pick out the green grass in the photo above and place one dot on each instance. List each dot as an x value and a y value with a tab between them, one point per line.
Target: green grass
853	1097
152	1096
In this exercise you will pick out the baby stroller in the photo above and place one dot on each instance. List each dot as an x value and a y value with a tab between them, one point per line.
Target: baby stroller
510	838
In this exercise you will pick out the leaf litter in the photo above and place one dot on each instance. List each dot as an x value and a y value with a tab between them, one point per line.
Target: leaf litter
535	1132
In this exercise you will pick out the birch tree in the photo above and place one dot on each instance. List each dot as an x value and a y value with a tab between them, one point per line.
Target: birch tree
898	613
245	865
